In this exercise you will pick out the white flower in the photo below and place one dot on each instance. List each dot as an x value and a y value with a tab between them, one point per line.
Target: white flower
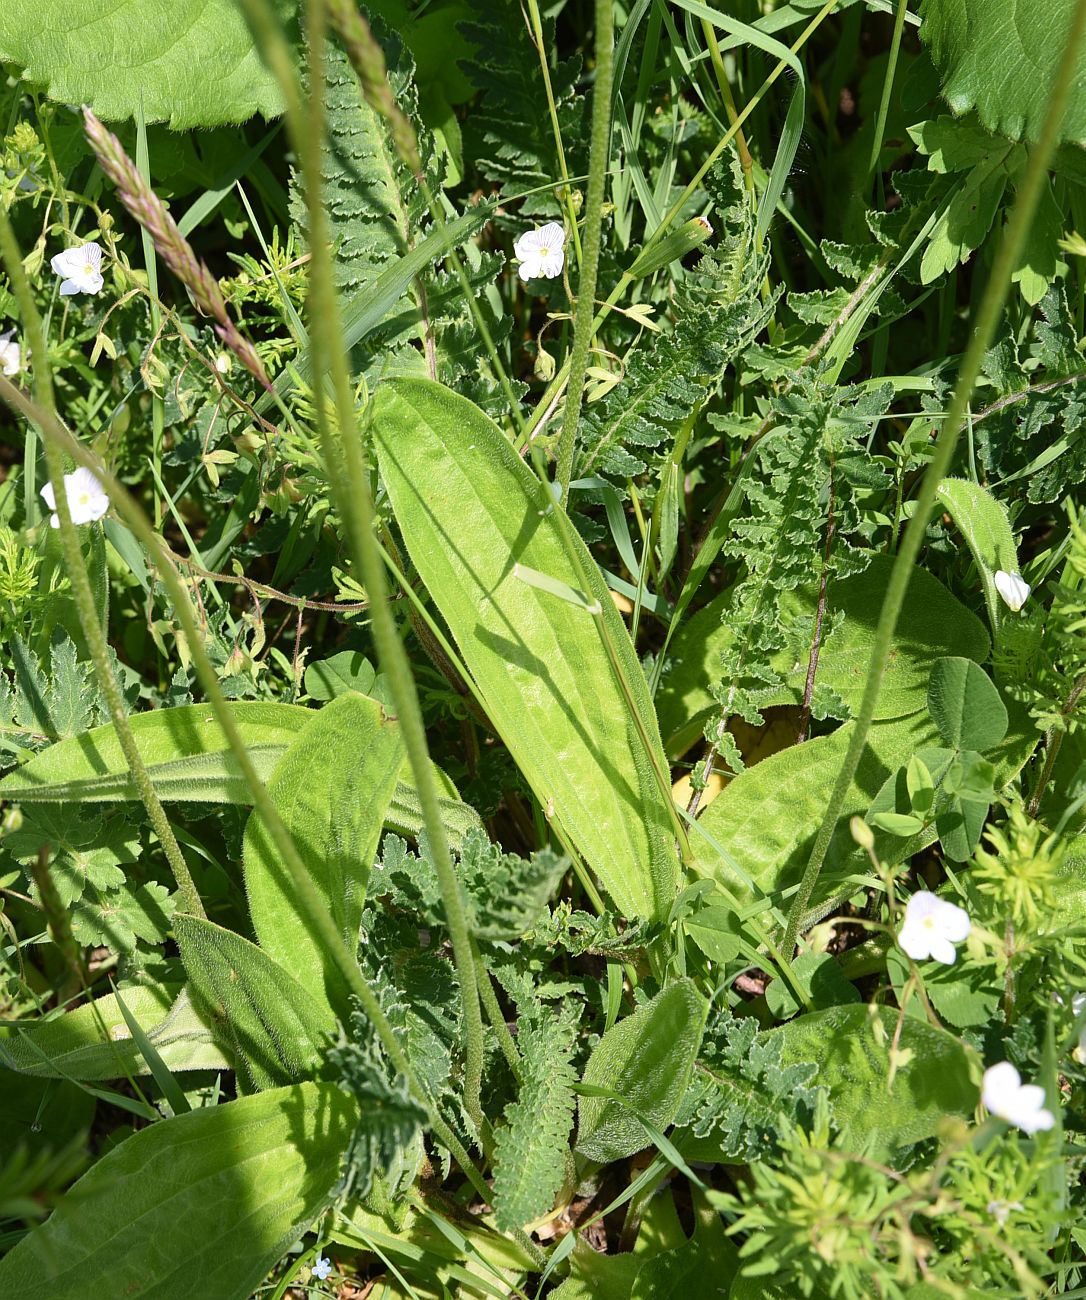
1001	1210
932	927
1012	588
11	356
540	252
322	1267
80	269
223	363
1078	1005
87	498
1021	1104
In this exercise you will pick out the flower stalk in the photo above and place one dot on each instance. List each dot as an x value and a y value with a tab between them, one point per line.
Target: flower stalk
174	249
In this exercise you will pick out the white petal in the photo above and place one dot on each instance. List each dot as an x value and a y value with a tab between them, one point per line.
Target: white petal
954	922
942	950
529	269
49	496
552	234
1013	589
90	255
914	940
64	263
551	264
11	358
68	287
54	521
527	244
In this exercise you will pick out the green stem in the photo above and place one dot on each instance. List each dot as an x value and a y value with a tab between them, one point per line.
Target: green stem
350	479
494	1015
583	328
82	592
980	337
884	103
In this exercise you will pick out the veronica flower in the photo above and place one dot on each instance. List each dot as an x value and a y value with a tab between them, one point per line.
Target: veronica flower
932	927
1022	1104
1012	588
11	356
321	1267
80	269
541	252
87	499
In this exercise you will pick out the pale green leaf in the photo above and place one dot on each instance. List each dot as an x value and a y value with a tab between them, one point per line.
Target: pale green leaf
986	527
965	705
332	790
470	509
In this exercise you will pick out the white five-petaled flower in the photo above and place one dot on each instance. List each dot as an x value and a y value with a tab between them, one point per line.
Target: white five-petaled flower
322	1267
1013	588
87	500
541	252
1021	1104
80	269
932	927
11	356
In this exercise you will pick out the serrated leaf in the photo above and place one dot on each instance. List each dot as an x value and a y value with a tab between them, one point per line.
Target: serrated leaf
532	1149
191	63
202	1204
646	1060
973	40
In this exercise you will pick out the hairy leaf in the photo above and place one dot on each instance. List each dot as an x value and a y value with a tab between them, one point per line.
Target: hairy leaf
278	1029
645	1060
532	1149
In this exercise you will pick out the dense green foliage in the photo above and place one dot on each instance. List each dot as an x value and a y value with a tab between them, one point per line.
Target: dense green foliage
421	875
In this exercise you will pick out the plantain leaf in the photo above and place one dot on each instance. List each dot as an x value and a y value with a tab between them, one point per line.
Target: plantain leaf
470	511
278	1029
986	527
191	62
74	1046
762	824
186	753
850	1046
1001	57
332	789
204	1204
932	623
646	1061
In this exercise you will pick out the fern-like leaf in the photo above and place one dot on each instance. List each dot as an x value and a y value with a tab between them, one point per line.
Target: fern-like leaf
532	1149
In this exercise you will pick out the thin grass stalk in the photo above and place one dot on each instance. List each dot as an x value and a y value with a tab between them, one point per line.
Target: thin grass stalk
82	591
352	491
583	328
981	335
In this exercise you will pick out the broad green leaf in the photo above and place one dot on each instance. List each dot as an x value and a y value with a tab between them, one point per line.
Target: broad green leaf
349	670
645	1059
763	823
932	623
187	756
191	62
278	1029
822	979
93	1041
201	1205
965	705
963	224
986	527
850	1046
470	509
332	789
1000	57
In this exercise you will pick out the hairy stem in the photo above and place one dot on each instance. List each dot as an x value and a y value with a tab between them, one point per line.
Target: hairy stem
593	218
981	335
